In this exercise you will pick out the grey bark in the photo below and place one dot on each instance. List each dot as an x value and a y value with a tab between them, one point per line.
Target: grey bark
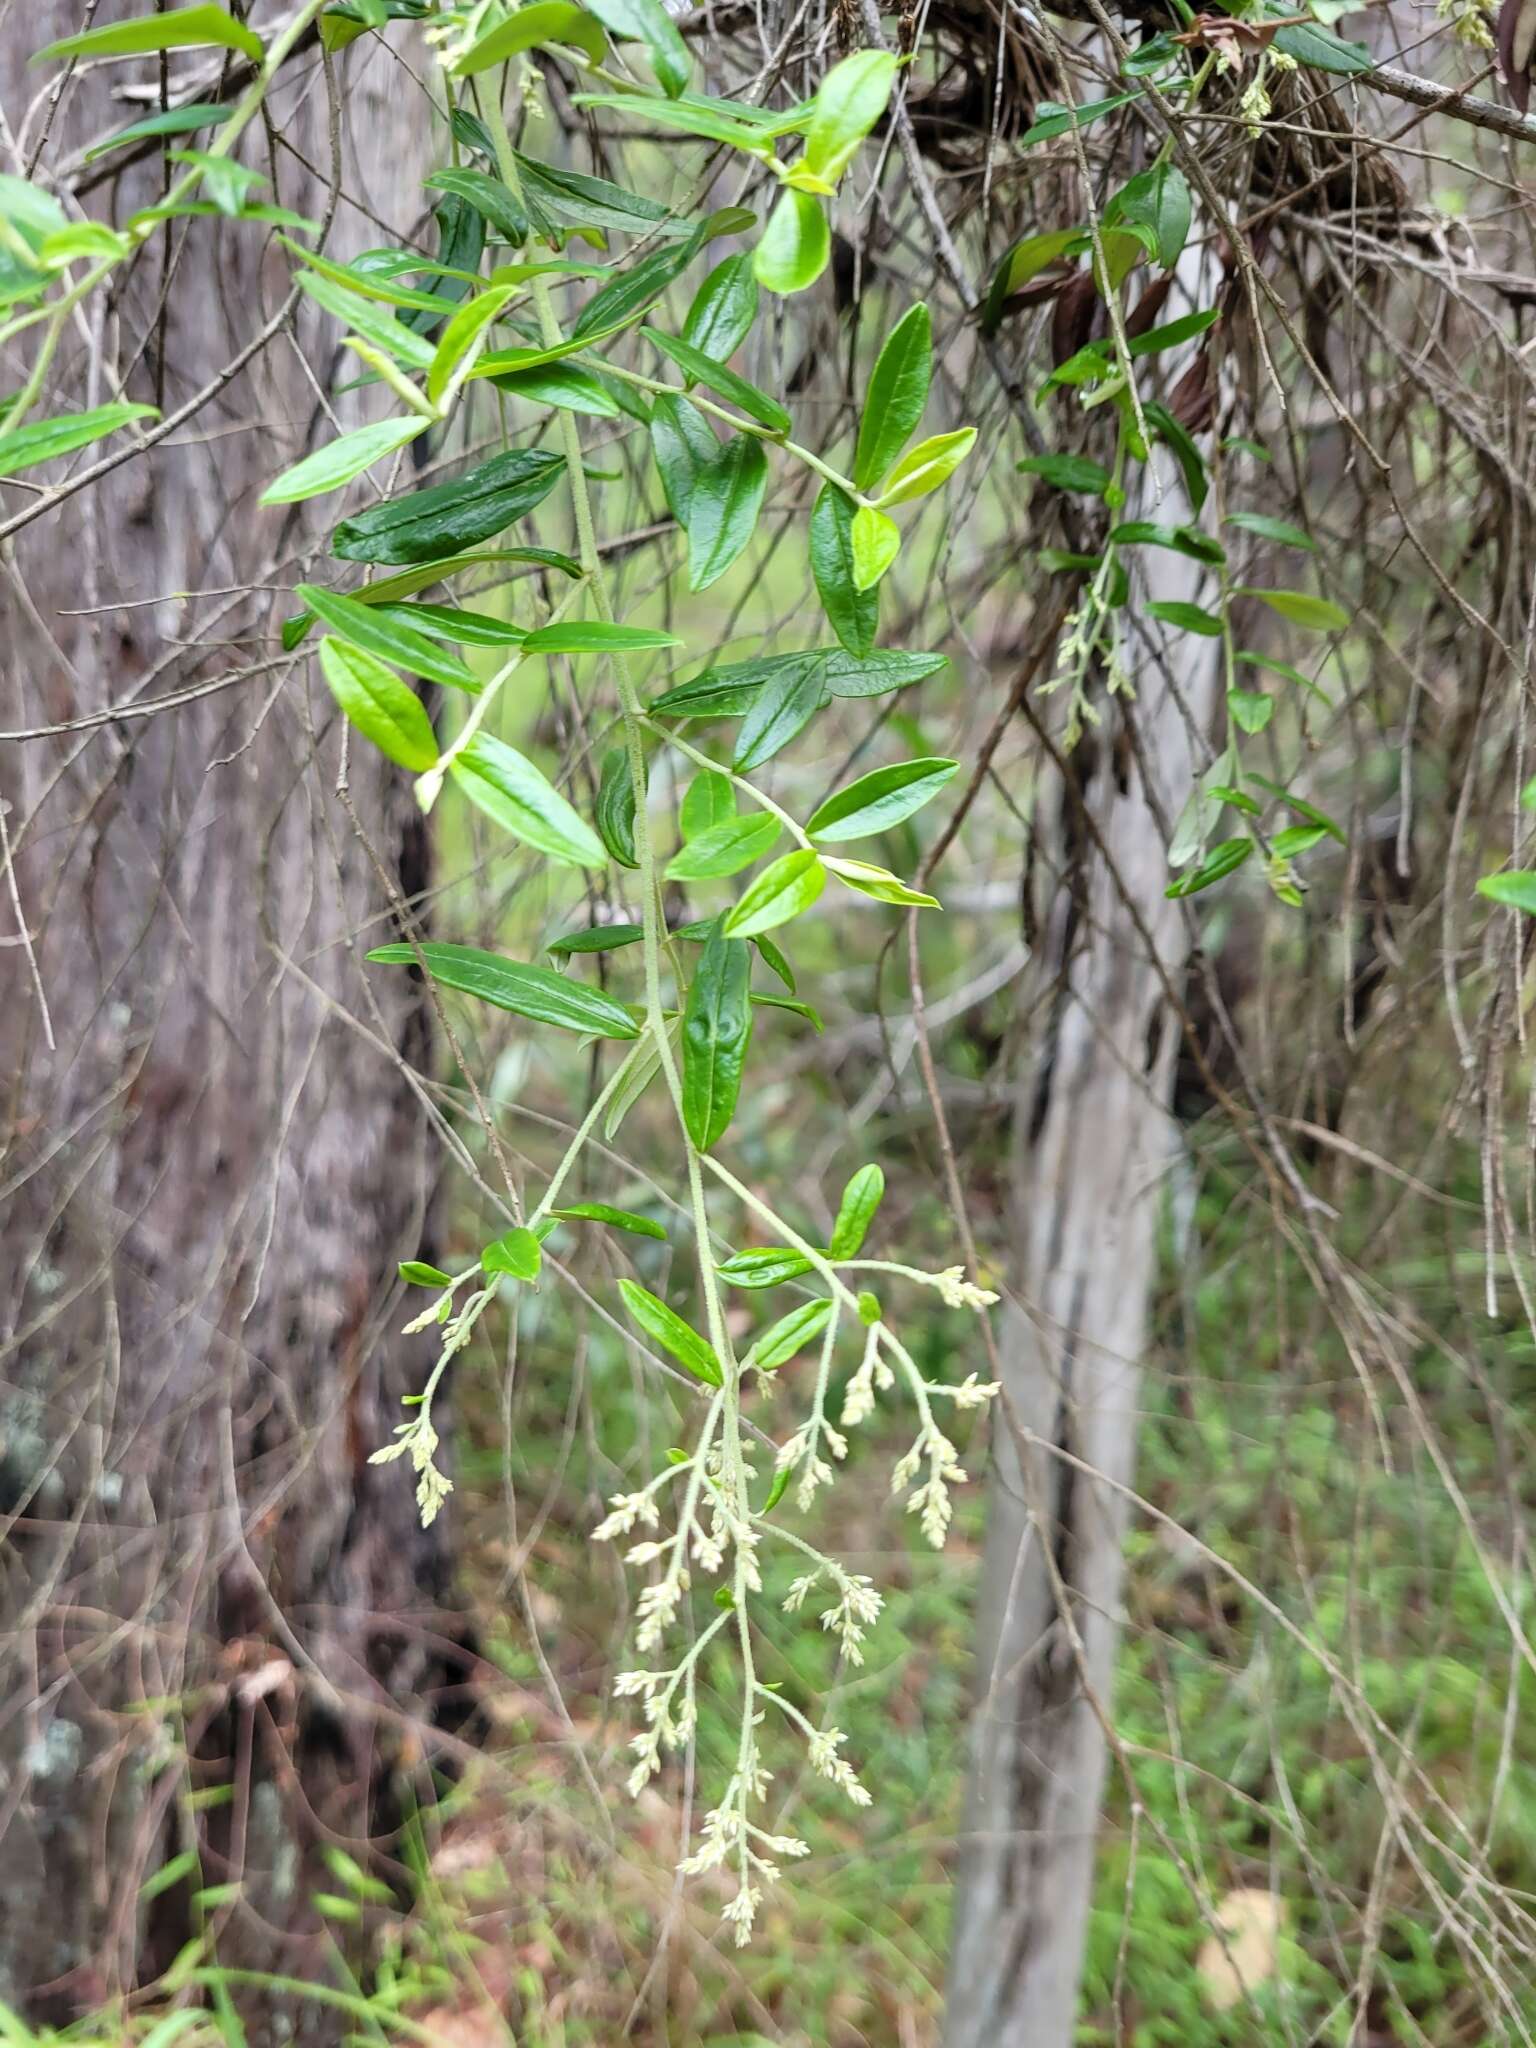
209	1177
1093	1143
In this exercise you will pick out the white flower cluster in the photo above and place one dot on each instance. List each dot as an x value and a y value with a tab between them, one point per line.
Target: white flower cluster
826	1762
418	1440
856	1608
930	1501
955	1291
727	1835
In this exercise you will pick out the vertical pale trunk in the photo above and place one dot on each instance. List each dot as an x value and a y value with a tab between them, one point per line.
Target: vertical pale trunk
208	1177
1093	1147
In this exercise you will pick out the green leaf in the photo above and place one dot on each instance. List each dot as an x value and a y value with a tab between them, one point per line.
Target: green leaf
507	787
1068	472
183	120
684	446
784	889
690	114
723	507
872	674
1296	840
1184	540
376	629
1191	462
703	369
1321	50
1158	199
1052	118
880	799
450	622
1220	862
897	395
1156	339
724	849
597	938
710	801
795	246
517	1254
876	542
383	709
341	460
569	197
631	291
1188	618
615	809
369	318
717	1028
183	28
488	197
866	879
565	385
535	992
853	614
1299	804
1315	614
648	22
41	440
1280	531
723	310
425	526
618	1219
779	1343
1024	261
783	709
778	1487
1251	709
596	636
855	1212
528	28
416	1273
927	467
669	1330
463	337
849	101
1515	890
764	1266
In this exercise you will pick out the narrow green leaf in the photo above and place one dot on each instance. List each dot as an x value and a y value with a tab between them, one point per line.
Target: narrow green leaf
462	337
866	879
41	440
507	787
669	1330
604	1212
724	849
565	385
764	1266
377	629
703	369
488	197
684	446
717	1029
855	1212
1068	472
417	1273
897	395
182	28
341	460
1053	119
880	799
723	508
1220	862
383	709
784	889
535	992
596	636
1184	540
368	317
781	711
648	22
1315	614
1187	618
1515	890
184	120
849	101
1280	531
597	938
614	813
782	1340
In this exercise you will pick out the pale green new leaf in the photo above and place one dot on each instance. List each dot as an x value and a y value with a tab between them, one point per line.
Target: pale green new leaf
339	461
384	709
509	788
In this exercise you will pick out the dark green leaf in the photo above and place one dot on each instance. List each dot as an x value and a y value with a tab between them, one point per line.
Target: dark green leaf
1156	339
536	992
568	197
597	636
703	369
1068	472
723	309
1184	540
764	1266
615	811
685	446
488	197
790	1334
597	938
424	526
717	1028
1222	861
565	385
380	630
897	394
183	120
723	508
1320	49
880	799
710	801
1053	119
781	710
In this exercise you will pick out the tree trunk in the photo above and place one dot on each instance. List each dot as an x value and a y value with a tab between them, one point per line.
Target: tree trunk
1093	1144
210	1173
